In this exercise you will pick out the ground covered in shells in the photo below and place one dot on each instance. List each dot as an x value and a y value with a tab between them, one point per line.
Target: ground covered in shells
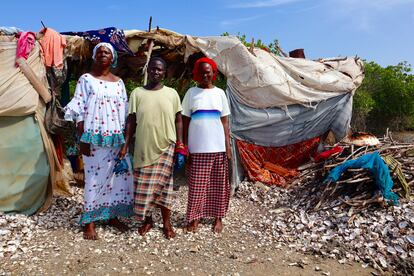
266	233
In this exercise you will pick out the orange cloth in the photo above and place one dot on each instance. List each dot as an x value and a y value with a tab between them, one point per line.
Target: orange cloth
53	45
58	142
274	166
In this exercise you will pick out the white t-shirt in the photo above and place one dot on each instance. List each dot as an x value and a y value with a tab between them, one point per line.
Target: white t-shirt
205	107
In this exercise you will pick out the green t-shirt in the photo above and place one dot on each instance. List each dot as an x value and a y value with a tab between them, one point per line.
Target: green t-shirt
155	111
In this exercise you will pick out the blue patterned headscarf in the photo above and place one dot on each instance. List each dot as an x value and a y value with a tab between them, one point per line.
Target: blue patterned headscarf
111	48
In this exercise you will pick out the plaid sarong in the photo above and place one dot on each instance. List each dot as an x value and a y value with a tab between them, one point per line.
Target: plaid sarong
154	185
208	186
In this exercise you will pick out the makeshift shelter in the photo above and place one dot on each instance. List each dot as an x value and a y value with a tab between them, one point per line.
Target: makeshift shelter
29	170
280	106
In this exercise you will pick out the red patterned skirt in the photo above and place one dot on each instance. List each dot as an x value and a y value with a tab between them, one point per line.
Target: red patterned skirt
208	186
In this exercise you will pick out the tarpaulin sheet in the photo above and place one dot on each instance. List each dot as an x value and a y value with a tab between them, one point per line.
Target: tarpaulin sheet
19	99
24	168
17	95
255	159
277	127
263	80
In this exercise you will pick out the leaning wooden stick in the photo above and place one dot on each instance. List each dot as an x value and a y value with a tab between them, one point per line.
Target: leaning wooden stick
34	80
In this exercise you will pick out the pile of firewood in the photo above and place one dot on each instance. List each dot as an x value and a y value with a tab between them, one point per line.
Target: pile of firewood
356	187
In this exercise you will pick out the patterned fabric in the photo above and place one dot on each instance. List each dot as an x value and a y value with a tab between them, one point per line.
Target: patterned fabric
154	185
208	186
254	159
106	213
107	195
111	35
114	140
72	150
103	106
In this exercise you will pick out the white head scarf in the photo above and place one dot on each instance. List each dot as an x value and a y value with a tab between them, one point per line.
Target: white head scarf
111	48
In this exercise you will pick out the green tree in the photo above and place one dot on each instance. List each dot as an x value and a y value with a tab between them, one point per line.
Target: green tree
385	98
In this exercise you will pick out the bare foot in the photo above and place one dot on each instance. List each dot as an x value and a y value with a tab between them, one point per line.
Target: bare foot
148	224
89	232
218	226
115	222
166	220
193	226
168	231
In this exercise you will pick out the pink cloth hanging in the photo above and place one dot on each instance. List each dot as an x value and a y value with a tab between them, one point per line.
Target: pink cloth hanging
25	44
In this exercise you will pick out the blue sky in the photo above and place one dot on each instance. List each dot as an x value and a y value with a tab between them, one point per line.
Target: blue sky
378	30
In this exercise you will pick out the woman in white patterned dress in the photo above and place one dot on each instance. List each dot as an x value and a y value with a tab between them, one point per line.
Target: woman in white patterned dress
99	108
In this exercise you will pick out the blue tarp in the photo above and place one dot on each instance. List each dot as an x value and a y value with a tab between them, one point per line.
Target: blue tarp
276	127
374	163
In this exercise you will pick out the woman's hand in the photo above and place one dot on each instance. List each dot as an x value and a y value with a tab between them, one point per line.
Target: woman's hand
225	122
85	149
123	151
228	152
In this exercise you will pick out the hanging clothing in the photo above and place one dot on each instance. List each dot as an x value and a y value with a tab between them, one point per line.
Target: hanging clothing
107	195
53	45
25	45
111	35
209	187
155	112
154	185
102	105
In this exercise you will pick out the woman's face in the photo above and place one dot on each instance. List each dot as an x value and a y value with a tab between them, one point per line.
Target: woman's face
103	56
206	74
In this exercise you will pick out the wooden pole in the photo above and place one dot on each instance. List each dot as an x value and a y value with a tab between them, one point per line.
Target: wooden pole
150	46
34	80
150	23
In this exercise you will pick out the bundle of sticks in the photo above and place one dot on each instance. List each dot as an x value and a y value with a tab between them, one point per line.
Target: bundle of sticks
356	188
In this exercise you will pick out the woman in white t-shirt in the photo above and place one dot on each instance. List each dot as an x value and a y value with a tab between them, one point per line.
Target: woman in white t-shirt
206	132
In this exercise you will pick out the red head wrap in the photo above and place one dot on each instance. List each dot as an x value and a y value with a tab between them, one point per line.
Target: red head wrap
196	75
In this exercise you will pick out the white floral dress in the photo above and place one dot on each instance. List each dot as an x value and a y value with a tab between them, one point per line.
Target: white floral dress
102	106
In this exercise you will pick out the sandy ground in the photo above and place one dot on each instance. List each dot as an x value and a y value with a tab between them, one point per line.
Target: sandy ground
57	247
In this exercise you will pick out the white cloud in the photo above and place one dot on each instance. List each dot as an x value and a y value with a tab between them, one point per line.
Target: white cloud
237	21
262	4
